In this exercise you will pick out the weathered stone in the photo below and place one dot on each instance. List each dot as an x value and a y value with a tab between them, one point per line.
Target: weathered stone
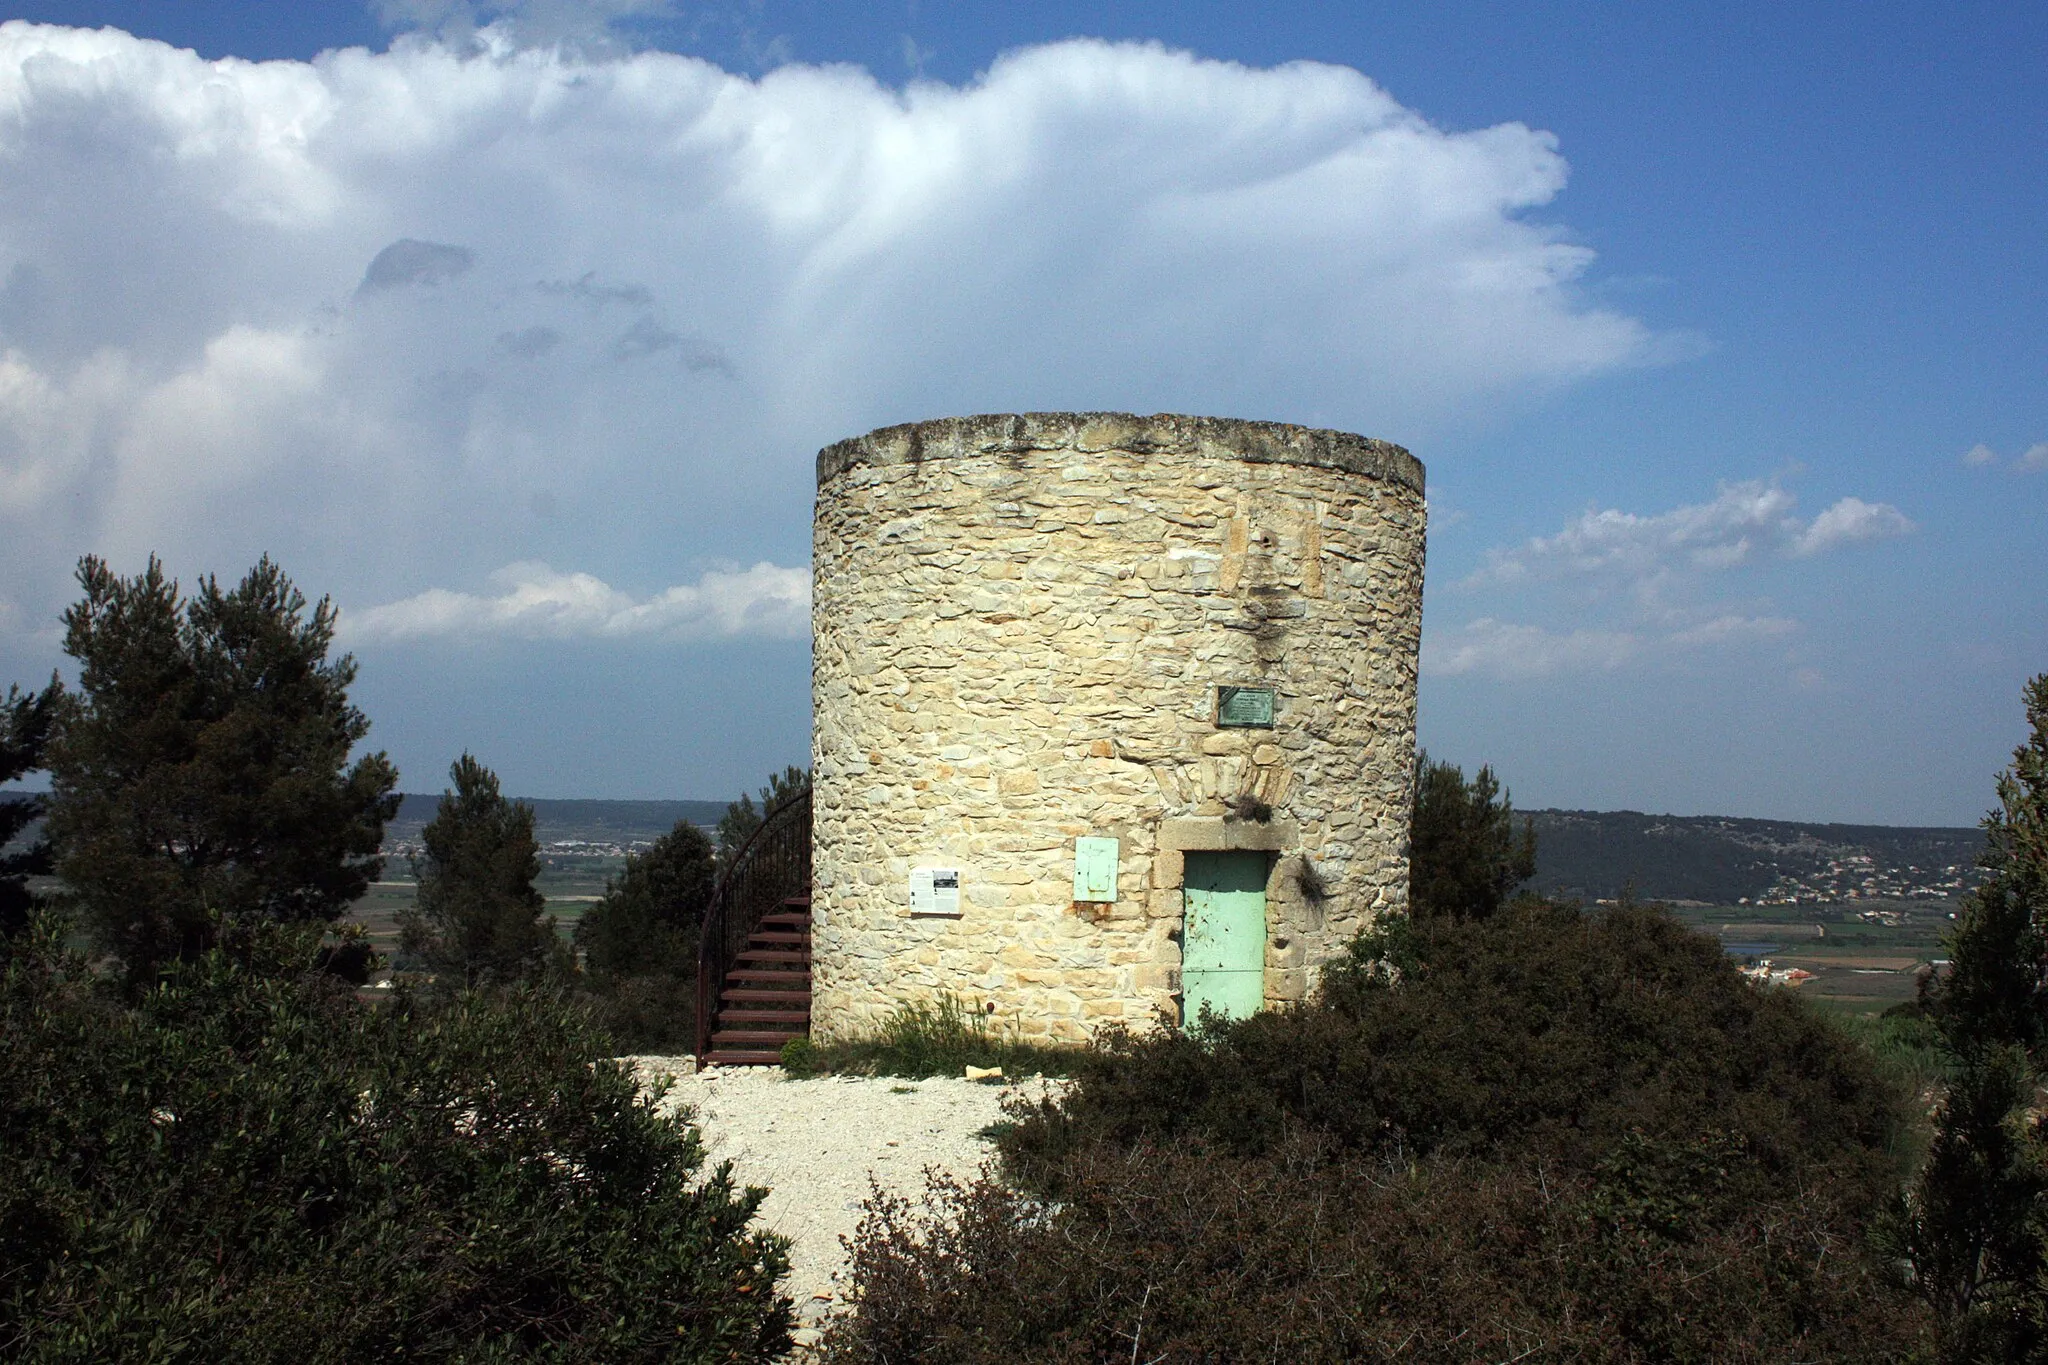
1020	622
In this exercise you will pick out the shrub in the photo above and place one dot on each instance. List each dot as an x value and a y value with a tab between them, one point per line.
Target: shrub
1543	1030
1545	1134
1187	1253
648	1015
249	1166
639	943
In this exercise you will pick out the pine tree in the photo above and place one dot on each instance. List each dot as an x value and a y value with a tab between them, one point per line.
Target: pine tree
1976	1227
1464	854
200	774
478	918
647	922
26	719
743	817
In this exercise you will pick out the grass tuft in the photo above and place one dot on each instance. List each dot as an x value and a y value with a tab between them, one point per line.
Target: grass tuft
940	1037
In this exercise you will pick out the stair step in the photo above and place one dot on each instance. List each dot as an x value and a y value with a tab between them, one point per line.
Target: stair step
796	919
777	975
804	900
772	955
743	1017
770	997
772	937
754	1037
744	1059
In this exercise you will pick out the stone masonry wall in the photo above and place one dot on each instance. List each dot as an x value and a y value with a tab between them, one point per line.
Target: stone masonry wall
1020	623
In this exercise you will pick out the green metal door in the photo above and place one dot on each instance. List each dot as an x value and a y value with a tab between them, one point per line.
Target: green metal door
1223	946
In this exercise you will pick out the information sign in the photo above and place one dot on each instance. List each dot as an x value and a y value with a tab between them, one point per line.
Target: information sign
935	891
1244	708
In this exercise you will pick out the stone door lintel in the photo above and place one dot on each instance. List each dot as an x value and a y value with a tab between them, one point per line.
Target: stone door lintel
1215	834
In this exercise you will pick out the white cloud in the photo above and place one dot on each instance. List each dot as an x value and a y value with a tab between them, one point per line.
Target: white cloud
371	310
1849	521
2032	460
1507	650
1622	587
1511	650
1731	628
537	603
589	23
1741	524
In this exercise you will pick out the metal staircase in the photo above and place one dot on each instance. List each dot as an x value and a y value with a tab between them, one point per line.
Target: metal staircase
754	954
765	999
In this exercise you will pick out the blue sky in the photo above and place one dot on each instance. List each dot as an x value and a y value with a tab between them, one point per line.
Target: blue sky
1720	333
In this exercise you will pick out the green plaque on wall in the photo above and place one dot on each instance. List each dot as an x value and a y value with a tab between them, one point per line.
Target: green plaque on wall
1244	708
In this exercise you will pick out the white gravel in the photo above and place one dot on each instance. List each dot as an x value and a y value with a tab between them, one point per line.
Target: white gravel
815	1143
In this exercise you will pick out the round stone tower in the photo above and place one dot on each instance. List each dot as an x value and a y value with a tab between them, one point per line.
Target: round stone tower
1114	715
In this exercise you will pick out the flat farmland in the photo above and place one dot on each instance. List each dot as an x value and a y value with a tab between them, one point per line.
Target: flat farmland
1865	955
570	882
583	844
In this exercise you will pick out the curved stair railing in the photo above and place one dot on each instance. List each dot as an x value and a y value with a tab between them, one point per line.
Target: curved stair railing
771	870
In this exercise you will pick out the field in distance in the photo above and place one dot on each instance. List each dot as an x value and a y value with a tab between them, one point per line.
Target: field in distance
1863	955
582	843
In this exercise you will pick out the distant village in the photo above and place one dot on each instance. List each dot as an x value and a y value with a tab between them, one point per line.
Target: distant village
1857	877
402	849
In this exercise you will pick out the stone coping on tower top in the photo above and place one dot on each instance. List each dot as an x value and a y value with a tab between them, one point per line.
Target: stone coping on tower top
1018	434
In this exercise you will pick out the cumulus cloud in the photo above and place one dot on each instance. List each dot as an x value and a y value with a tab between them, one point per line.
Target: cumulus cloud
1739	525
1730	628
1507	650
408	262
589	23
382	305
2032	460
647	337
1849	521
534	602
1637	588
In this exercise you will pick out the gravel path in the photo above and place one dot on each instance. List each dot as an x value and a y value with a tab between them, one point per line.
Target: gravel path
815	1143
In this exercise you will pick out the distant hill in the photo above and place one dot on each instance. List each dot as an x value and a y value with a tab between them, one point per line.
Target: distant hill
600	822
1589	854
1719	860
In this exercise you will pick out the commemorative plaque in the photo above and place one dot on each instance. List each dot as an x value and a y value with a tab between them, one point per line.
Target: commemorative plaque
1244	708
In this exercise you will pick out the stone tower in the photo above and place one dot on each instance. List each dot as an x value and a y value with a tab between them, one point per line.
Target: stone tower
1037	634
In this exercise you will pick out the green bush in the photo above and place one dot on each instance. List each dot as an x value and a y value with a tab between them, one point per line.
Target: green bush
940	1037
1543	1030
653	1014
1905	1043
639	944
247	1165
1186	1253
1541	1135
